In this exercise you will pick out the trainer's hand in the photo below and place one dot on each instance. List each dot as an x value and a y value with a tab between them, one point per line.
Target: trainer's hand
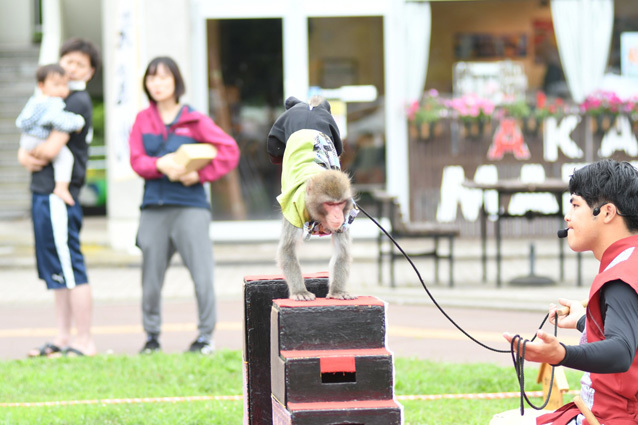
544	349
167	166
569	320
29	161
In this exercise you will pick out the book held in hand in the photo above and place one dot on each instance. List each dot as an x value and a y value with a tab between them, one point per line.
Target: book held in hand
195	156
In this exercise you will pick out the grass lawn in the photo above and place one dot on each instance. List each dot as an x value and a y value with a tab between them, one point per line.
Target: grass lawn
184	375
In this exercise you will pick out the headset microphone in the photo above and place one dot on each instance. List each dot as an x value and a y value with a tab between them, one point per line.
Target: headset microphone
562	233
596	210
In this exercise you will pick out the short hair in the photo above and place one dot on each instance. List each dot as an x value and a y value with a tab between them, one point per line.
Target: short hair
609	181
44	71
82	45
171	65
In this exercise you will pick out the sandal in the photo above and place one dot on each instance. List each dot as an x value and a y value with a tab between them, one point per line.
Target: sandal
45	351
72	352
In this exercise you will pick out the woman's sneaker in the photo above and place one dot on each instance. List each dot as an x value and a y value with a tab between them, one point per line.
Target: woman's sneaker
152	345
202	346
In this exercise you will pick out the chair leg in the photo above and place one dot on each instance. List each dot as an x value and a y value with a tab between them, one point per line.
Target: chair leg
392	258
451	262
379	261
436	260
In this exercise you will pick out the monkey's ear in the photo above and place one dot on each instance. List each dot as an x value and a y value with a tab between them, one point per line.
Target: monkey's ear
309	186
291	101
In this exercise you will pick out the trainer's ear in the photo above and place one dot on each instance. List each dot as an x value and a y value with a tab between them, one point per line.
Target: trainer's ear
291	101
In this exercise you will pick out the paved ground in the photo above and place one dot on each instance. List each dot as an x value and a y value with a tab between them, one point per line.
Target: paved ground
415	326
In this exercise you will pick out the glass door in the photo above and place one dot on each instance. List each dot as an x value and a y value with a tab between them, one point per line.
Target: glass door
245	82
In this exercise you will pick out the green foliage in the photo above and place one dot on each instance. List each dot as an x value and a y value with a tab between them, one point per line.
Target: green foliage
518	109
430	109
428	115
180	375
98	123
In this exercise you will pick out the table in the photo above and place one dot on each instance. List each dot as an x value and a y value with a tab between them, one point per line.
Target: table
504	189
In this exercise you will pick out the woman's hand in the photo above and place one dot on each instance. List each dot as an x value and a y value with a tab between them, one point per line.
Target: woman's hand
29	161
167	166
189	179
544	349
575	311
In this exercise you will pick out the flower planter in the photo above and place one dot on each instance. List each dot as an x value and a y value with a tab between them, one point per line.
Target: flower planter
531	126
425	131
602	123
475	129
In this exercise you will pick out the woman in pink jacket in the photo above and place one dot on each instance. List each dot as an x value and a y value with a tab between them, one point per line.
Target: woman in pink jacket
175	213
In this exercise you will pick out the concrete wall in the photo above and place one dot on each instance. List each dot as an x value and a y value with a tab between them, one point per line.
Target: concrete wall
16	23
81	18
152	28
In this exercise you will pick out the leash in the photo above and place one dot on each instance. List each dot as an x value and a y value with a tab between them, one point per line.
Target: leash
518	358
518	354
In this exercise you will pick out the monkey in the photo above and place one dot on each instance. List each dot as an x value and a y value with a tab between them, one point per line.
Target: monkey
328	200
316	196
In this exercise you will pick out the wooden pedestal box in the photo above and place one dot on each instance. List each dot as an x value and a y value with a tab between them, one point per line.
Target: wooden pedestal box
372	412
332	375
259	291
329	363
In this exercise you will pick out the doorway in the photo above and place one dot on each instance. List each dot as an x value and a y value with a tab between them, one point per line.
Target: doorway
245	82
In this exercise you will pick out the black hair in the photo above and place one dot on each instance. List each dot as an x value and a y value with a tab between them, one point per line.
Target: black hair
84	46
44	71
609	181
171	65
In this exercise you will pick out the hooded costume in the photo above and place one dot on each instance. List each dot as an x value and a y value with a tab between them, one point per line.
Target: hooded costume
301	116
306	141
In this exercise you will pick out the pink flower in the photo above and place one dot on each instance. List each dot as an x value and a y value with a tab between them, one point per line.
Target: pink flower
412	109
602	102
471	106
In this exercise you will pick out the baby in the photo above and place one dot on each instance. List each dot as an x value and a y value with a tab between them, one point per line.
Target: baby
45	112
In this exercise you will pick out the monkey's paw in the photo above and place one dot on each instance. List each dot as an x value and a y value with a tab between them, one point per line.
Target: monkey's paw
341	296
303	296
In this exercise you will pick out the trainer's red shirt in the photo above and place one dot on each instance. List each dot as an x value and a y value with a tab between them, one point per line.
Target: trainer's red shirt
612	397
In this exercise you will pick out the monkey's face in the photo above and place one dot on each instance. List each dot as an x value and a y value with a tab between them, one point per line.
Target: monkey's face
329	199
334	215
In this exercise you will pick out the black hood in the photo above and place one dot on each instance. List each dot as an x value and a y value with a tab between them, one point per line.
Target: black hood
300	116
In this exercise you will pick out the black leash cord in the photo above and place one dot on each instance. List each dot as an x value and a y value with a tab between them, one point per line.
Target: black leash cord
518	355
407	257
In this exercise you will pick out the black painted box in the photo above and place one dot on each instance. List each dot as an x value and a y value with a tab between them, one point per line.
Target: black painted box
373	412
259	291
329	350
329	363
